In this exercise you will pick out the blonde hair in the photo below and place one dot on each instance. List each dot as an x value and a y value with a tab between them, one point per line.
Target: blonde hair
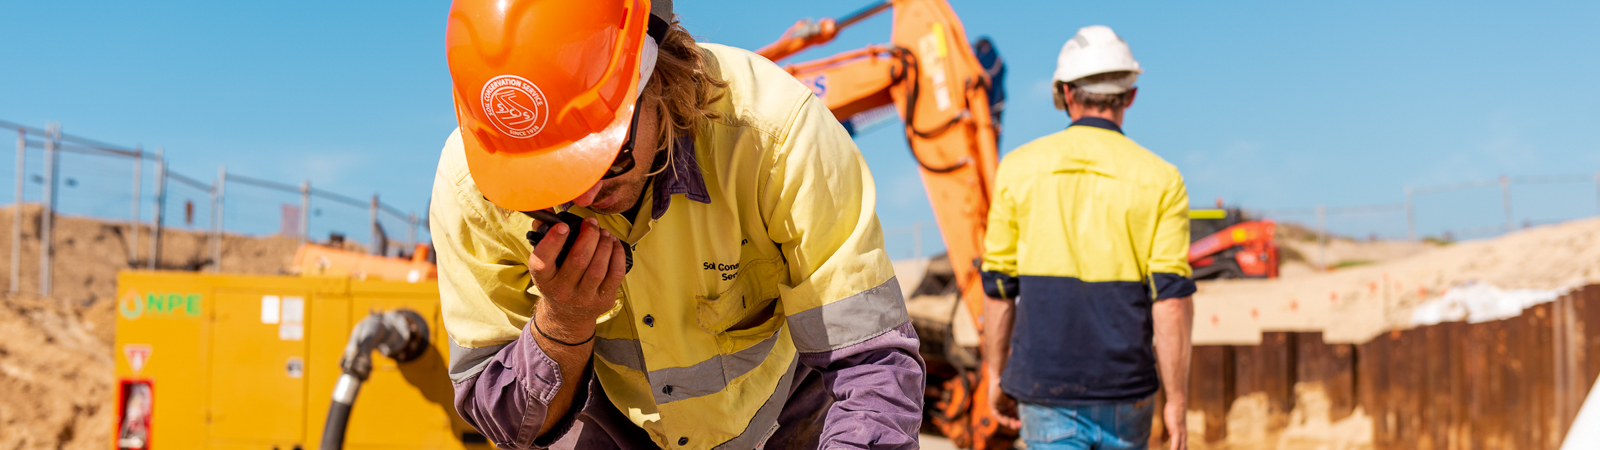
1089	99
681	89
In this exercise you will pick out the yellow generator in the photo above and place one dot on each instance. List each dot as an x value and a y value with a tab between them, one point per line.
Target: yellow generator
270	362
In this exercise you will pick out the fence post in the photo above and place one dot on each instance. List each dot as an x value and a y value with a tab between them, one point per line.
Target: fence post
138	179
51	161
161	209
1322	238
375	231
411	232
216	217
16	214
305	211
916	239
1411	216
1505	197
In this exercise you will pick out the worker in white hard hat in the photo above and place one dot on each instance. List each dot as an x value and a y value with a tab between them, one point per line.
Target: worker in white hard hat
1085	266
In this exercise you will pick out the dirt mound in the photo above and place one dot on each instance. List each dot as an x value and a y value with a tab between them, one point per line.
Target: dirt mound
1309	427
1302	251
89	253
1355	303
55	373
55	352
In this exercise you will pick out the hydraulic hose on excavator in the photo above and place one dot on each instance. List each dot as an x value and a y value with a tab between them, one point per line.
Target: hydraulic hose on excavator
401	335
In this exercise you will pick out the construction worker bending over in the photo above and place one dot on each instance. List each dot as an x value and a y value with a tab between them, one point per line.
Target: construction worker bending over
1086	256
760	308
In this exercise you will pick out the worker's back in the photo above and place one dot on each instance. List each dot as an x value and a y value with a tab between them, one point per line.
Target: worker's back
1088	228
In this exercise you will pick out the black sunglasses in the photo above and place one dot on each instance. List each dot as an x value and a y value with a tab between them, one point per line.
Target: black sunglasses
624	162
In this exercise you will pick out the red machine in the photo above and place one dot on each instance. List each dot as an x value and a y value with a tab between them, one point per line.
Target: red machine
948	97
1225	244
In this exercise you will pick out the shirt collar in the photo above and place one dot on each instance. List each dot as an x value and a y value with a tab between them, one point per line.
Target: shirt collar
1097	122
681	176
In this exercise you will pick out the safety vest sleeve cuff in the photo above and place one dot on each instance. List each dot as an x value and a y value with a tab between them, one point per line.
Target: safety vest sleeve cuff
850	320
1000	285
466	363
1171	285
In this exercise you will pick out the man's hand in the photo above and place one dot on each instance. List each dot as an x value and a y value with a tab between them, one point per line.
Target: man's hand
571	298
584	287
1177	427
1001	406
1174	318
998	316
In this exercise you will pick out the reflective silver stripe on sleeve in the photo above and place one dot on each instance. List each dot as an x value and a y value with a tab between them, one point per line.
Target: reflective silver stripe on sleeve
467	362
766	419
622	352
710	376
850	320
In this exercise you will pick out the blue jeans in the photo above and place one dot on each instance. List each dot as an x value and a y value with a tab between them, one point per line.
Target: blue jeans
1115	426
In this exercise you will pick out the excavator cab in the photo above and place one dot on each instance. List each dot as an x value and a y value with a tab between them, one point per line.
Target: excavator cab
1226	243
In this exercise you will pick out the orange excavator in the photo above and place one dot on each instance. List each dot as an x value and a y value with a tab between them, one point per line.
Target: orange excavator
949	97
1226	244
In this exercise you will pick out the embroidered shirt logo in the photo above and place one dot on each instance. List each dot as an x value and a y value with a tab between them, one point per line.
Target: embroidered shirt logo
514	105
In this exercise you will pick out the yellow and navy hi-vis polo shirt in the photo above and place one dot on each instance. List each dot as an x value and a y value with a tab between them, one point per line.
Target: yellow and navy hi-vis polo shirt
783	257
1087	230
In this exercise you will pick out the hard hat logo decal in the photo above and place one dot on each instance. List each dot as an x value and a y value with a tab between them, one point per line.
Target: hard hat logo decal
515	106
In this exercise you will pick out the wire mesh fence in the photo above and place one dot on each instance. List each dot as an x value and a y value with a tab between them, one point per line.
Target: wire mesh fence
1454	211
77	176
1471	209
1443	212
74	175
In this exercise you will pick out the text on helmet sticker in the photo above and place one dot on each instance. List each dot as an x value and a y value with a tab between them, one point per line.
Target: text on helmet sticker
514	105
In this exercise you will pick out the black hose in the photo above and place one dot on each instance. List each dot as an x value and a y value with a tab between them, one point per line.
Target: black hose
908	65
333	430
400	334
344	400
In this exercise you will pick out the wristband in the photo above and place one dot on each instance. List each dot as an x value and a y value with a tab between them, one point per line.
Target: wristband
535	321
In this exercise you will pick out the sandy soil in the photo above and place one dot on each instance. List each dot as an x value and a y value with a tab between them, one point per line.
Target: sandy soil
1352	305
1308	428
55	373
89	252
55	352
1347	251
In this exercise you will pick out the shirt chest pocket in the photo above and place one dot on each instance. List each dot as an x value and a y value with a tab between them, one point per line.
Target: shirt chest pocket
748	304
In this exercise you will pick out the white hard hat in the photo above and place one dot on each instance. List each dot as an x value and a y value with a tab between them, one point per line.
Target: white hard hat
1093	51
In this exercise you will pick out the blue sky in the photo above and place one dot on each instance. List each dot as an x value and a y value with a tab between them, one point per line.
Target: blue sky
1268	105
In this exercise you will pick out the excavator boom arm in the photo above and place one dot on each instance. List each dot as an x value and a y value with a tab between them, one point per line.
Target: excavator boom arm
851	83
930	76
808	33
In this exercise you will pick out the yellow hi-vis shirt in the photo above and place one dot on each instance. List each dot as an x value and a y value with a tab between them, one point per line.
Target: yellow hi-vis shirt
789	235
1087	229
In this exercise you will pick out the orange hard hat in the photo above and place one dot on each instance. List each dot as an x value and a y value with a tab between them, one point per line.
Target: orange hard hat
546	91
